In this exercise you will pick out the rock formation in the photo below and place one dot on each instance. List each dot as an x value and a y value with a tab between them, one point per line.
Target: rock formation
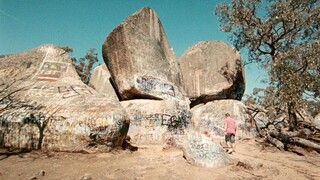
153	121
202	151
316	121
212	70
100	81
44	104
140	59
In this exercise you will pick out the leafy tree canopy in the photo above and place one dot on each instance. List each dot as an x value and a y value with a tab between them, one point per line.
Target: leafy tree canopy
85	64
283	37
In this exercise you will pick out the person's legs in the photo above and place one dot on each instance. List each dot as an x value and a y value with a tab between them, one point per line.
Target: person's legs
229	144
232	142
227	140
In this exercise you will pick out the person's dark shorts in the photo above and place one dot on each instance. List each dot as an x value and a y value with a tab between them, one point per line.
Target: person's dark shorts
230	137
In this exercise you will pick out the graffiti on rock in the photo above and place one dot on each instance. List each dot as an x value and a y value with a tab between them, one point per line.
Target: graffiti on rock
51	71
47	91
42	90
202	149
175	123
213	126
61	125
153	85
74	90
148	137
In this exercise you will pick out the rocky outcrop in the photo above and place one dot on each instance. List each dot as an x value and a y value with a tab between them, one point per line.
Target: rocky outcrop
140	59
44	104
154	121
100	81
210	117
212	70
201	151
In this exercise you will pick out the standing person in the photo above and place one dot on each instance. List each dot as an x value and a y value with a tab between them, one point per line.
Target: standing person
230	132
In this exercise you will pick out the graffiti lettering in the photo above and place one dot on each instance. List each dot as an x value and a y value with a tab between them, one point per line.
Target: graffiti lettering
51	71
74	90
202	149
175	123
54	66
153	85
213	126
151	138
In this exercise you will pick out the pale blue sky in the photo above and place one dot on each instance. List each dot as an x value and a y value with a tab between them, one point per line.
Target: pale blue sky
84	24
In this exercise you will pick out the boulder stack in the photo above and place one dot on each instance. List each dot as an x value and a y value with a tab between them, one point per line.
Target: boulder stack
147	78
44	103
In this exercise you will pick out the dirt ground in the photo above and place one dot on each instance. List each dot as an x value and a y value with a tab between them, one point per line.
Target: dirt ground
252	160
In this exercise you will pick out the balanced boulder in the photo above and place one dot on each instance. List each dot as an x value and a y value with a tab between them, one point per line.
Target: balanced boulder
212	70
141	62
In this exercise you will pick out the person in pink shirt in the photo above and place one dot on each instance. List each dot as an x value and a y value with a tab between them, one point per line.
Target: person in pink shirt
230	132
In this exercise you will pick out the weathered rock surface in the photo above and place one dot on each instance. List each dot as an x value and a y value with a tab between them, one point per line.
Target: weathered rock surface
210	117
316	121
304	115
201	151
100	81
212	70
44	104
154	121
140	59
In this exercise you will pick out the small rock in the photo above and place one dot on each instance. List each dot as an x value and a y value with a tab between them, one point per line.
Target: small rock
41	173
86	177
244	165
33	177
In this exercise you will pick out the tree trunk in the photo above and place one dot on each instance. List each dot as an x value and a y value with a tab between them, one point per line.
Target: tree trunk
293	123
40	139
287	134
305	143
294	138
275	142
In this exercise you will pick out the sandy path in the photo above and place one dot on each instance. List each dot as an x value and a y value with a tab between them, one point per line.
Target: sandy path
251	161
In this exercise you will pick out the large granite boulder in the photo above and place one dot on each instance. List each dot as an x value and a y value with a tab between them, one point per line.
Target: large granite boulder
212	70
100	81
141	62
210	118
155	121
44	104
